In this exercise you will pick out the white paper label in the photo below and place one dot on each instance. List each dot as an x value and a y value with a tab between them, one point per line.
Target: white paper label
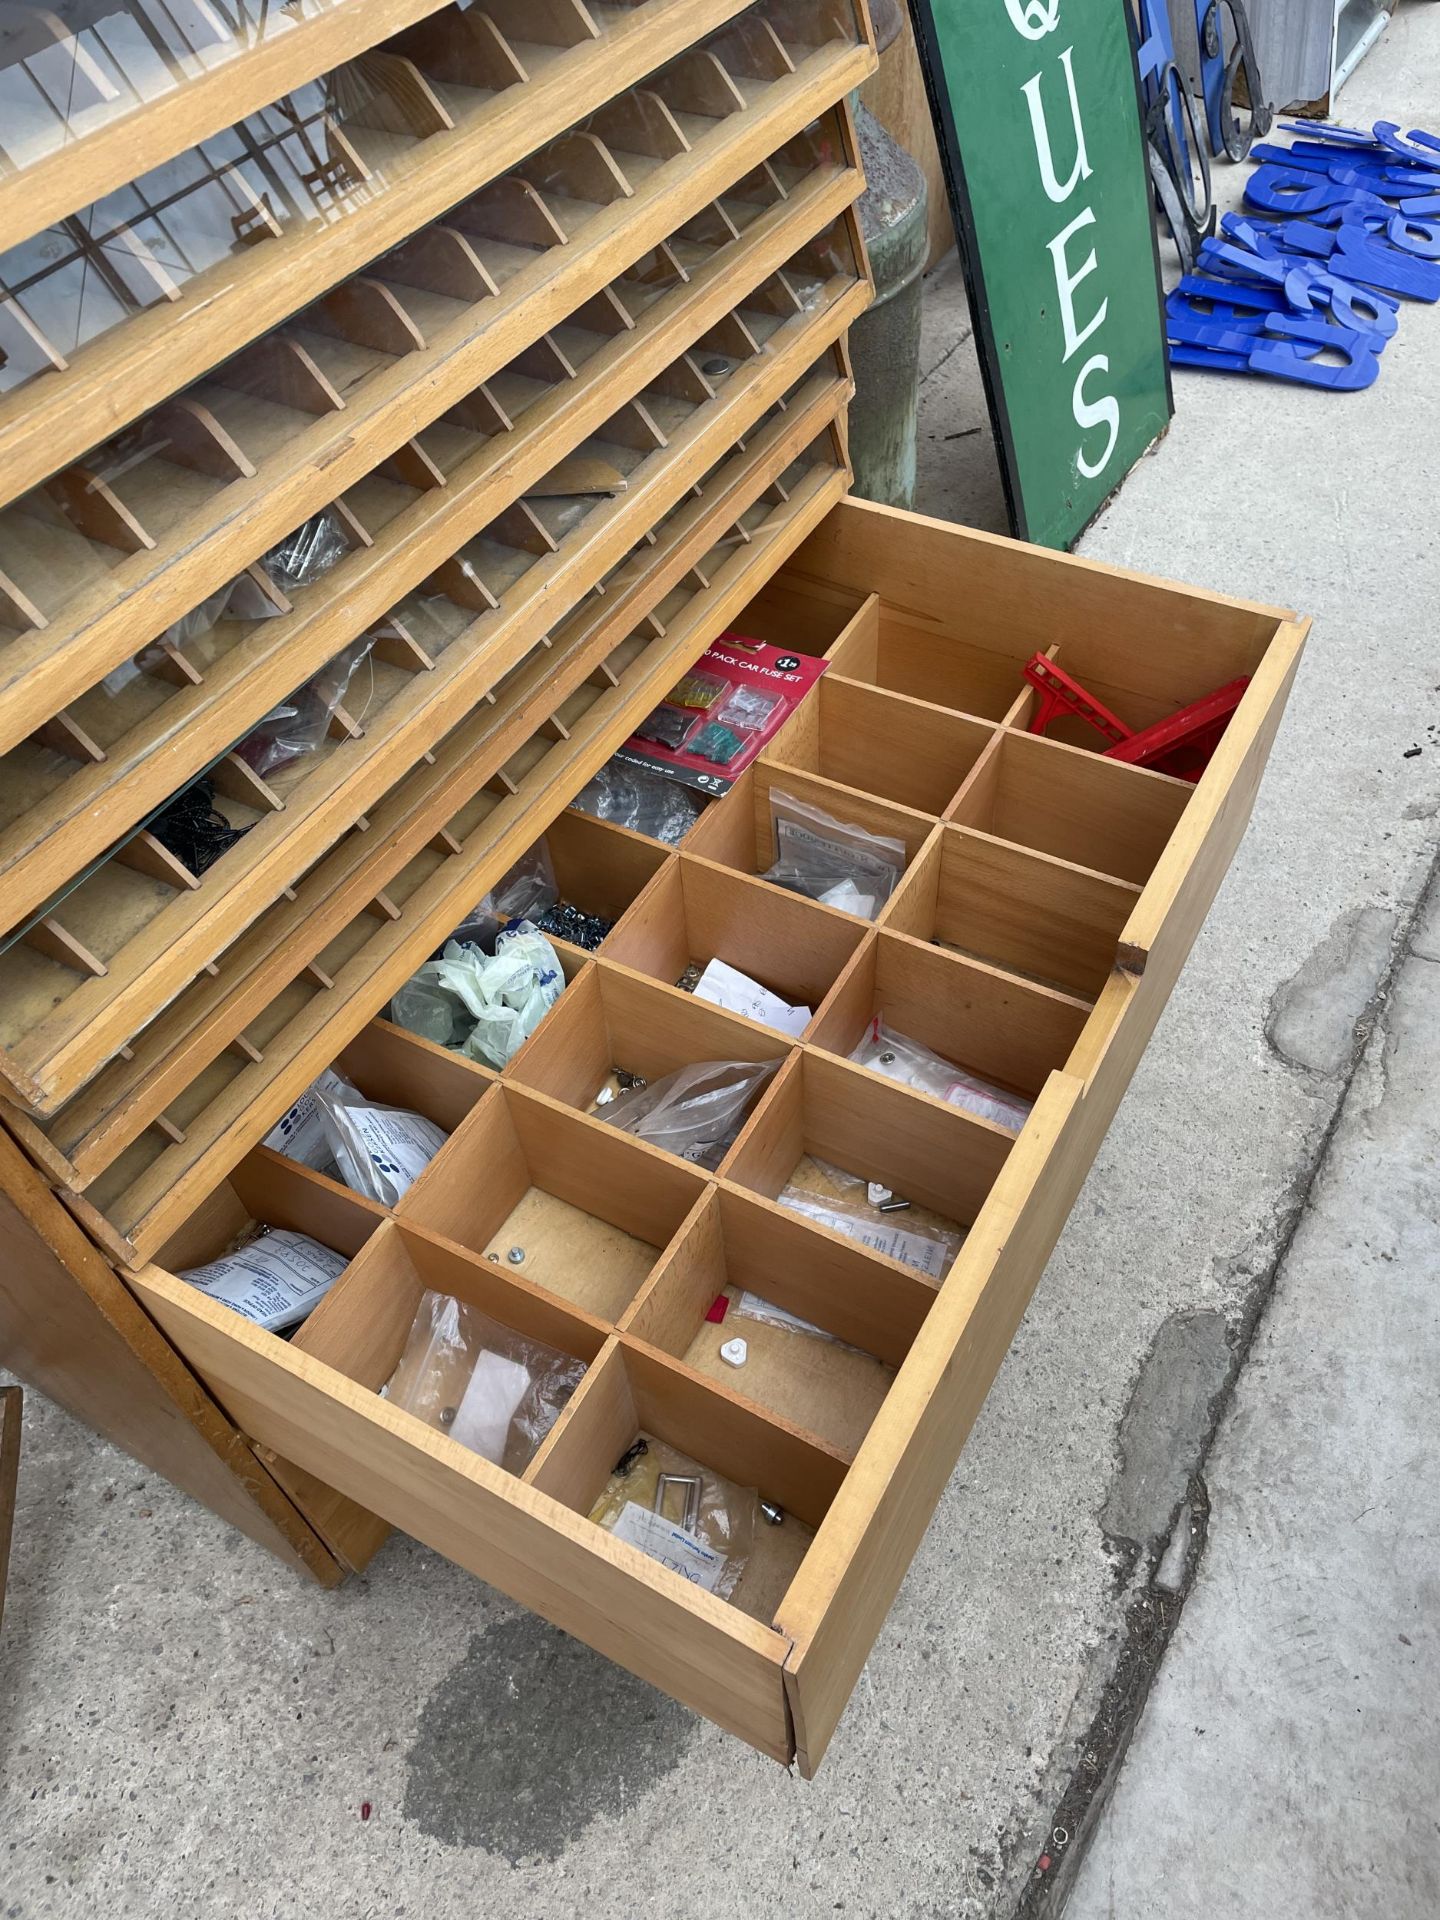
726	986
274	1281
672	1546
482	1419
300	1134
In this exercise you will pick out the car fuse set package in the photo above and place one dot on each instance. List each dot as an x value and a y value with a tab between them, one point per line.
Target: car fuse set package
719	717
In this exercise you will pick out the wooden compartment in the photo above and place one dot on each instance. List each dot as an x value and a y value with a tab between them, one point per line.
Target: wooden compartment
1043	918
908	752
1011	1032
696	911
735	1246
586	1211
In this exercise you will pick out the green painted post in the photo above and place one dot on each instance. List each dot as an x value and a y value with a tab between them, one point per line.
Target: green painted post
1038	113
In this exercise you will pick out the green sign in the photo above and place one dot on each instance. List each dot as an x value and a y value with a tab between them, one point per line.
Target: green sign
1037	109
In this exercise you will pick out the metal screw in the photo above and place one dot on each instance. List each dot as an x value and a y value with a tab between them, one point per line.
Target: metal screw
773	1514
492	1256
516	1256
893	1206
447	1416
887	1060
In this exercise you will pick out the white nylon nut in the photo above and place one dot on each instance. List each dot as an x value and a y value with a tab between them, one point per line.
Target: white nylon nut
734	1353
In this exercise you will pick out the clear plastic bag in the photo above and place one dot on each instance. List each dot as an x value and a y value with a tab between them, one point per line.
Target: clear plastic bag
482	1005
524	893
496	1391
300	1133
695	1112
298	725
830	860
647	803
750	1306
913	1065
274	1280
834	1198
380	1151
714	1549
307	554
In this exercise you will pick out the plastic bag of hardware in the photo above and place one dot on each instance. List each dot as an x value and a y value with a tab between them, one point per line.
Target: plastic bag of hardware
380	1151
300	1133
483	1005
831	860
298	725
913	1065
307	554
524	893
647	803
697	1523
696	1112
911	1234
496	1391
274	1280
750	1306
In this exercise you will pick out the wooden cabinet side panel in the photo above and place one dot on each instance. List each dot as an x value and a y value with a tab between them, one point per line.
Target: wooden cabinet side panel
70	1328
839	1600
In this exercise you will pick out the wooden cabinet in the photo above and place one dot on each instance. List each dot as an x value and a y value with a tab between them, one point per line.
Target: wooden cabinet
617	236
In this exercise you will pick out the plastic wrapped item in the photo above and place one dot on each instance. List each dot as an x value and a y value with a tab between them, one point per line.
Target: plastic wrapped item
496	1391
300	1133
750	1306
524	893
380	1151
483	1005
667	726
913	1065
307	554
190	626
193	828
298	725
831	860
645	802
699	689
694	1521
695	1112
723	713
274	1280
834	1198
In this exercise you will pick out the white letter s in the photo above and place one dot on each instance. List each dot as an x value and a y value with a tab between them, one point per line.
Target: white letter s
1093	413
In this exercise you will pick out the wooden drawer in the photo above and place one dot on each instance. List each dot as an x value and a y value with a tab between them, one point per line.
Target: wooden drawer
1048	901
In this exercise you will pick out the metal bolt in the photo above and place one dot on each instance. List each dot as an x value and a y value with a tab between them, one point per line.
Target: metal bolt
516	1256
447	1416
771	1513
492	1256
893	1206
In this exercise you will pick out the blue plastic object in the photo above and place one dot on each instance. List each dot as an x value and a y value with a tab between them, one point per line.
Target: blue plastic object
1201	297
1288	349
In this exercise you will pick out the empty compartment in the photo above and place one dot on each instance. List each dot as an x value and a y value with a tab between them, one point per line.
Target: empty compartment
902	749
824	1326
615	1027
1009	1032
947	669
740	832
633	1395
570	1207
694	913
495	1385
1110	818
807	616
829	1132
1053	922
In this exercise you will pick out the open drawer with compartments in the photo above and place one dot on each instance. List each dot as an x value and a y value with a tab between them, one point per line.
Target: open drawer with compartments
530	317
1048	899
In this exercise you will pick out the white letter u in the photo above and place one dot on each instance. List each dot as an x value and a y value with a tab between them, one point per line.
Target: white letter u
1043	150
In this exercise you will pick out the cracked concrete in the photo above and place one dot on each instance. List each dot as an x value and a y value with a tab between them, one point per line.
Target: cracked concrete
184	1728
1286	1758
1167	1423
1313	1016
